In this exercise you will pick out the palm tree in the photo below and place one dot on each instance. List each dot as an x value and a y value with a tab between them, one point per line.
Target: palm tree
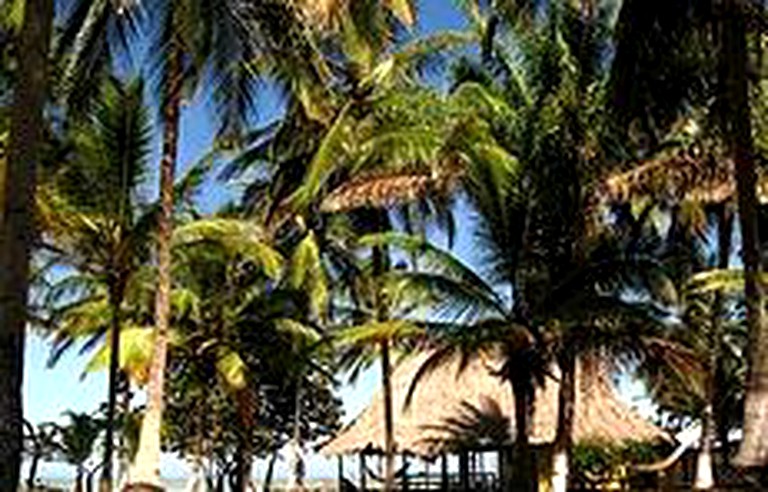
376	330
738	137
42	445
93	221
199	43
691	25
693	180
303	170
16	237
76	442
250	311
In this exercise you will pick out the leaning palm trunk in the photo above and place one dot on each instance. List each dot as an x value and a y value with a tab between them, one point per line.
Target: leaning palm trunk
16	235
147	461
115	300
565	415
754	446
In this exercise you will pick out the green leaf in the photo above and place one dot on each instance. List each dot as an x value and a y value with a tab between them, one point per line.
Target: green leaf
231	368
307	272
238	237
403	10
136	348
729	281
378	331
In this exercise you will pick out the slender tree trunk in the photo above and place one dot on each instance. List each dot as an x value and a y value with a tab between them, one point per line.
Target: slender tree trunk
565	417
106	481
270	471
16	233
754	446
123	453
389	438
246	409
523	473
705	475
79	476
147	461
378	264
297	461
33	471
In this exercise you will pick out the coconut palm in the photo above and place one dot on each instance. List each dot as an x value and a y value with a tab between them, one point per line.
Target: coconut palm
76	442
25	143
94	223
690	182
302	168
198	43
691	25
251	311
537	240
41	446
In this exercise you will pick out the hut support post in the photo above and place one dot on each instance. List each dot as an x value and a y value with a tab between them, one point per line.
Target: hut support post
340	471
362	472
405	472
444	473
464	470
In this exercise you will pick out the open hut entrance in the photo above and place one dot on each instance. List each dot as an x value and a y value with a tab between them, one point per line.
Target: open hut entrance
482	470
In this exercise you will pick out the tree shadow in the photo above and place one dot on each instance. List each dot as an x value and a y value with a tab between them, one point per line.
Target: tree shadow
475	427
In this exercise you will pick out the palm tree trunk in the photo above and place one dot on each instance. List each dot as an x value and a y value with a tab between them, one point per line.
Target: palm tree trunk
754	446
565	415
33	471
270	471
123	452
523	474
79	476
246	409
389	438
147	461
297	462
705	476
115	301
16	235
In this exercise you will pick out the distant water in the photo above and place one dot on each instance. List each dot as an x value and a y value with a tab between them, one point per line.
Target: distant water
177	485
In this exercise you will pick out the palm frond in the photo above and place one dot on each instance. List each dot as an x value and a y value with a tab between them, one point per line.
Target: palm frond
240	237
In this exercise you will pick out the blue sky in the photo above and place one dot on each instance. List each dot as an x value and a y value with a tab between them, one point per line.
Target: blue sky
49	392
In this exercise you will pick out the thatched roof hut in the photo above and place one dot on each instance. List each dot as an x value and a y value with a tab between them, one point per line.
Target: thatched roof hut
474	409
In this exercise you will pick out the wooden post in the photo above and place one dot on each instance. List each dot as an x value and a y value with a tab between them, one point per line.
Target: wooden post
362	472
340	470
426	475
464	470
444	473
404	479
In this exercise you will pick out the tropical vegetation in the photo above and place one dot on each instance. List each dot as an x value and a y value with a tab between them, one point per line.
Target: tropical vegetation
601	158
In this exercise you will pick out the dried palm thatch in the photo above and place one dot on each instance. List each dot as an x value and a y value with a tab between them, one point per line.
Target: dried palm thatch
451	409
683	176
381	191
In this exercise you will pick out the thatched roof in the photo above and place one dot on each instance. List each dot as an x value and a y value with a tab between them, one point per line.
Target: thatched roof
386	190
680	176
475	408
